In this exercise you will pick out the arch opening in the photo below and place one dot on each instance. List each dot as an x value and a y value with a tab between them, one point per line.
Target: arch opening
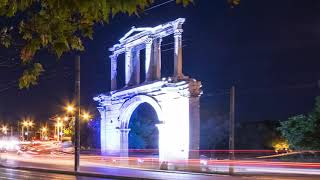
143	135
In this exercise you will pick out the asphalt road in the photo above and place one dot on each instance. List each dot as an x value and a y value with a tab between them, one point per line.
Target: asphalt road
116	173
14	174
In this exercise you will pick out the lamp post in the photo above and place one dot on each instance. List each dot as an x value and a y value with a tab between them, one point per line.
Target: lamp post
30	124
76	116
26	124
59	129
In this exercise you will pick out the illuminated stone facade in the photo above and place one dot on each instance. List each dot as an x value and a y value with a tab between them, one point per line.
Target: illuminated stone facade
175	99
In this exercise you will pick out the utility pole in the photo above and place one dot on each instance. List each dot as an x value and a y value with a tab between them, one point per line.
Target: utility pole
77	116
231	129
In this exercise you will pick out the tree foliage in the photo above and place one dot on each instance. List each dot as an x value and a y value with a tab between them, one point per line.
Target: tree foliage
59	26
302	132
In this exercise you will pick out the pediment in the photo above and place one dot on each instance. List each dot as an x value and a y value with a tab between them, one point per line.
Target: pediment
133	32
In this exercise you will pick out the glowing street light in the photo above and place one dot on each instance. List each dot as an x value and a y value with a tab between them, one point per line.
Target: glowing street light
86	116
4	130
70	108
30	123
59	124
26	124
44	129
44	133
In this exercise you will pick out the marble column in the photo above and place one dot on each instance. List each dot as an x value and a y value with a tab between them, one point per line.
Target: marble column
128	67
103	124
194	127
148	63
157	58
124	142
113	70
136	67
177	72
161	142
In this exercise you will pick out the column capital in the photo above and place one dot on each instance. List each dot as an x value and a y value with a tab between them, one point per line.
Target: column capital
128	49
101	109
124	130
113	56
149	41
178	32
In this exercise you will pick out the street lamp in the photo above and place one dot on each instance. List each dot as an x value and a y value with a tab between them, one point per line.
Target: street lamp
59	126
4	130
43	133
75	119
26	124
86	116
70	108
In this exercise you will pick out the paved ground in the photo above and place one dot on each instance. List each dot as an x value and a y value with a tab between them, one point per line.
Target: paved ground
65	165
133	173
33	175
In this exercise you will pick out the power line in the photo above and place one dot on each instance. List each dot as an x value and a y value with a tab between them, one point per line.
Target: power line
43	77
165	44
158	5
223	92
164	50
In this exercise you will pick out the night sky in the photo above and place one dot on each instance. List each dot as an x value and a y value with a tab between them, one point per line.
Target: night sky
269	49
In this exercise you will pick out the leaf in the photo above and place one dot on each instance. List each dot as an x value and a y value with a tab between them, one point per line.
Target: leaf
30	76
61	46
12	9
28	51
184	2
76	43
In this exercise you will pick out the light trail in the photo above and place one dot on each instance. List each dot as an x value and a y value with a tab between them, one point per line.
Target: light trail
42	152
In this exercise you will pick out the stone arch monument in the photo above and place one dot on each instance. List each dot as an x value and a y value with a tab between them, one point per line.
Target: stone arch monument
175	99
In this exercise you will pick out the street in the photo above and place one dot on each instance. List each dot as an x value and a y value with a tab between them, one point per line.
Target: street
8	173
65	166
14	174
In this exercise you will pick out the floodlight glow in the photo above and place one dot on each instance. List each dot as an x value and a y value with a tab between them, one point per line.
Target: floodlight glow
44	129
86	116
70	108
25	123
174	142
4	129
30	123
59	124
